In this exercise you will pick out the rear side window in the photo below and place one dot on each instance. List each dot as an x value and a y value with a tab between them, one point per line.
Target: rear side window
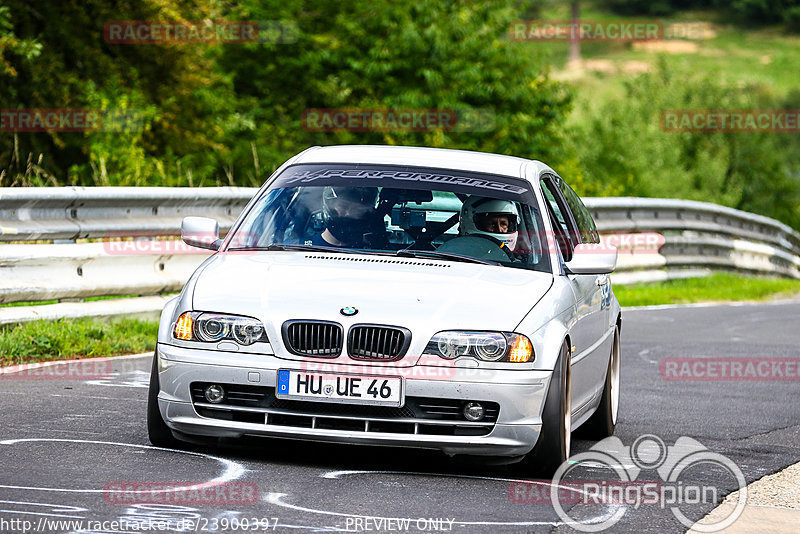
565	232
560	219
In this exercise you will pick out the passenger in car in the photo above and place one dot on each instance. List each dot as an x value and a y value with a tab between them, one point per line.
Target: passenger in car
494	218
350	217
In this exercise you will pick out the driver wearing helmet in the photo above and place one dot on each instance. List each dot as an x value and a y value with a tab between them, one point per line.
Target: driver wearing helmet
349	214
496	219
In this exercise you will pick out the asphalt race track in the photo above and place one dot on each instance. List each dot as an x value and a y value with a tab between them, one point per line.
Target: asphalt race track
65	442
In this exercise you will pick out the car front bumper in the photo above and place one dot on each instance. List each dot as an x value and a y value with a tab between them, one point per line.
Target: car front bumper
520	395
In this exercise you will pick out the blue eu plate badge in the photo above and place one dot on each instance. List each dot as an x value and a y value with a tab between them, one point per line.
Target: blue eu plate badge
283	381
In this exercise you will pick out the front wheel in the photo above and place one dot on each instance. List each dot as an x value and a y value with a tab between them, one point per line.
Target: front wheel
553	447
157	430
603	421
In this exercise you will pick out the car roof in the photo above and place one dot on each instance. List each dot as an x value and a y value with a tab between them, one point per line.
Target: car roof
442	158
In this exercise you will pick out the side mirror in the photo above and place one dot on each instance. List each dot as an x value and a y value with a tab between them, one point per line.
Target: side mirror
201	232
588	258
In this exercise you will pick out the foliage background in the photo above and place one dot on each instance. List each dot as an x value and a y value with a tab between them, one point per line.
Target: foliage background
230	114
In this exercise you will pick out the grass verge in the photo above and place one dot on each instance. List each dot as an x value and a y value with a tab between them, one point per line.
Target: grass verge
74	338
86	299
717	287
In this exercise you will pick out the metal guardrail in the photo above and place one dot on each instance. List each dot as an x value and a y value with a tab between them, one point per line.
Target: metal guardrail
46	213
698	237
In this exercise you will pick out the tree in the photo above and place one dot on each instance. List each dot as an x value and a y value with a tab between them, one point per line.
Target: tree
440	54
173	85
574	42
623	149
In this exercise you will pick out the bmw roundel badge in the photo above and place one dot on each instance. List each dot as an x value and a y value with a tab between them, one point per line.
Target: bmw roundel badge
348	311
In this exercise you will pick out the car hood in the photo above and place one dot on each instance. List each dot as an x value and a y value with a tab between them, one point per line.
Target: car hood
424	296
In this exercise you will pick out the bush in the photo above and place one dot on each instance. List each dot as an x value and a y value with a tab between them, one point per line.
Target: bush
792	19
656	8
622	148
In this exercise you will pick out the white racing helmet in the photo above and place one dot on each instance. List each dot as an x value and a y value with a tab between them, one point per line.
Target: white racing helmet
481	215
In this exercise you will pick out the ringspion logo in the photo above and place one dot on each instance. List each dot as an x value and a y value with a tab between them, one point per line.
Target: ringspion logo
676	467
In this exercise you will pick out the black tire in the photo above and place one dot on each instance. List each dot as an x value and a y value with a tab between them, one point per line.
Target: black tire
553	447
157	430
603	421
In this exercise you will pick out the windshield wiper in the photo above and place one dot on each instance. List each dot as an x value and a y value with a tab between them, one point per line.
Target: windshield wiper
308	248
408	253
294	246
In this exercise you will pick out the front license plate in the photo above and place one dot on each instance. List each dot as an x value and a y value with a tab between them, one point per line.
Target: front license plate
351	389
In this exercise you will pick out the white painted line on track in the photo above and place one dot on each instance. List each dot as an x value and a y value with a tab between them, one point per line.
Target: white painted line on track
96	397
56	507
19	512
338	474
232	471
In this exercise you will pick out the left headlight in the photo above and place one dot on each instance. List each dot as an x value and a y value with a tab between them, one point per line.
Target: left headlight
212	327
485	346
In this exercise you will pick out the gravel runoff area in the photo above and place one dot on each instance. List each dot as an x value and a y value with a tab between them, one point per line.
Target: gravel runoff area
779	490
773	505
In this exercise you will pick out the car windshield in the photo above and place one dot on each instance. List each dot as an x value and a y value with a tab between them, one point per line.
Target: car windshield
397	211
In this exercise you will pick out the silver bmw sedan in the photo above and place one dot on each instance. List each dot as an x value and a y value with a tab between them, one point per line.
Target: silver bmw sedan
398	296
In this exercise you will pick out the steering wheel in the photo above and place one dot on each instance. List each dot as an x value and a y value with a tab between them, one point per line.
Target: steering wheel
469	245
502	246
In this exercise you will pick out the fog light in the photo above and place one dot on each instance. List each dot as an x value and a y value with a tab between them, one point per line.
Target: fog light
215	394
473	411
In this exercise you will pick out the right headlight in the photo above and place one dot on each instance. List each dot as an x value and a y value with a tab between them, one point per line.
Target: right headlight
211	327
484	346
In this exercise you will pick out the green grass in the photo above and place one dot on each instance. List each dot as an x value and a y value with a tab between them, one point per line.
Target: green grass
86	299
766	57
717	287
74	338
